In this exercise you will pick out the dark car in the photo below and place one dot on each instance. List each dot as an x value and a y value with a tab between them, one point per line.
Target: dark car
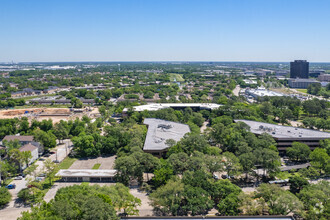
11	186
47	155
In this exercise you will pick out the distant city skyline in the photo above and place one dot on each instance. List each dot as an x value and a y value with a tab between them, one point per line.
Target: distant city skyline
149	30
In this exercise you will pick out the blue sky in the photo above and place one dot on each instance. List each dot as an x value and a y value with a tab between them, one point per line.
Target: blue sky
164	30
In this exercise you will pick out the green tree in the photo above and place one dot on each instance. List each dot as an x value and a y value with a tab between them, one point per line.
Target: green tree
232	165
320	159
167	199
47	139
229	205
5	196
298	152
179	162
196	201
247	160
162	173
279	201
85	146
26	157
51	170
268	159
17	156
315	198
61	130
297	183
220	189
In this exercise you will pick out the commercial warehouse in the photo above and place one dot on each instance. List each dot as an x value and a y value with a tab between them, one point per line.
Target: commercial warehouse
159	131
86	175
285	135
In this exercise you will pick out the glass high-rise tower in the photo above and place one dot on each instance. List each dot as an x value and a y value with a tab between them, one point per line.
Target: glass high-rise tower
299	69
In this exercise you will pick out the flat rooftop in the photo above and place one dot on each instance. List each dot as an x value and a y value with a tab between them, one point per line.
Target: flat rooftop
161	130
86	173
285	132
263	92
158	106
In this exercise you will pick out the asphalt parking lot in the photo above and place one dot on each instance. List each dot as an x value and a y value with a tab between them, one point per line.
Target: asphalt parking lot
107	163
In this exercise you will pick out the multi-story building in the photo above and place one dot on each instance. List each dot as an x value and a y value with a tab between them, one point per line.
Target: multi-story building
299	69
286	135
324	77
301	83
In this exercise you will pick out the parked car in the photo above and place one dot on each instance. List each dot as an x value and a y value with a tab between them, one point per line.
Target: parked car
226	177
11	186
215	176
42	175
52	152
47	155
18	178
56	161
38	179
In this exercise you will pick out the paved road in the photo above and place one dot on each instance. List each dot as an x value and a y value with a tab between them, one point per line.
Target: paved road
14	209
236	90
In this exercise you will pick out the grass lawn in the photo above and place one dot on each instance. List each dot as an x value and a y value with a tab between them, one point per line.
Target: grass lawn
302	90
66	163
96	166
178	77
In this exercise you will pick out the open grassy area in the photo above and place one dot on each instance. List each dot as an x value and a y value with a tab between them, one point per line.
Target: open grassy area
302	90
96	166
178	77
66	163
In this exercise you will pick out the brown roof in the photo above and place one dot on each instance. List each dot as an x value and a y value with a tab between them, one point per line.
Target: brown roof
19	138
28	147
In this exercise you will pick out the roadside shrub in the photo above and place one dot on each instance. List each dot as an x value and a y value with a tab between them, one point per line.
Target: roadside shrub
5	196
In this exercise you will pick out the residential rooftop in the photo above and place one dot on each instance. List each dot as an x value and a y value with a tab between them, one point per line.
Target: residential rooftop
158	106
161	130
284	132
18	137
28	147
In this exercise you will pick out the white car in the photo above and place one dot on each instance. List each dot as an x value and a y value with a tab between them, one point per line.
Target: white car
18	178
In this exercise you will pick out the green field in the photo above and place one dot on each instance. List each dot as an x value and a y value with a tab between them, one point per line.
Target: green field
66	163
302	90
96	166
178	77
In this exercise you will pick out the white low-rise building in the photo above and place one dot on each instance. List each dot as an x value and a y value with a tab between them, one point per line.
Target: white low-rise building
159	106
261	92
86	175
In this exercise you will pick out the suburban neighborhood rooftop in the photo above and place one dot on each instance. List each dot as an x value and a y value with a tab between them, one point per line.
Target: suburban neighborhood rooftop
28	147
17	137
